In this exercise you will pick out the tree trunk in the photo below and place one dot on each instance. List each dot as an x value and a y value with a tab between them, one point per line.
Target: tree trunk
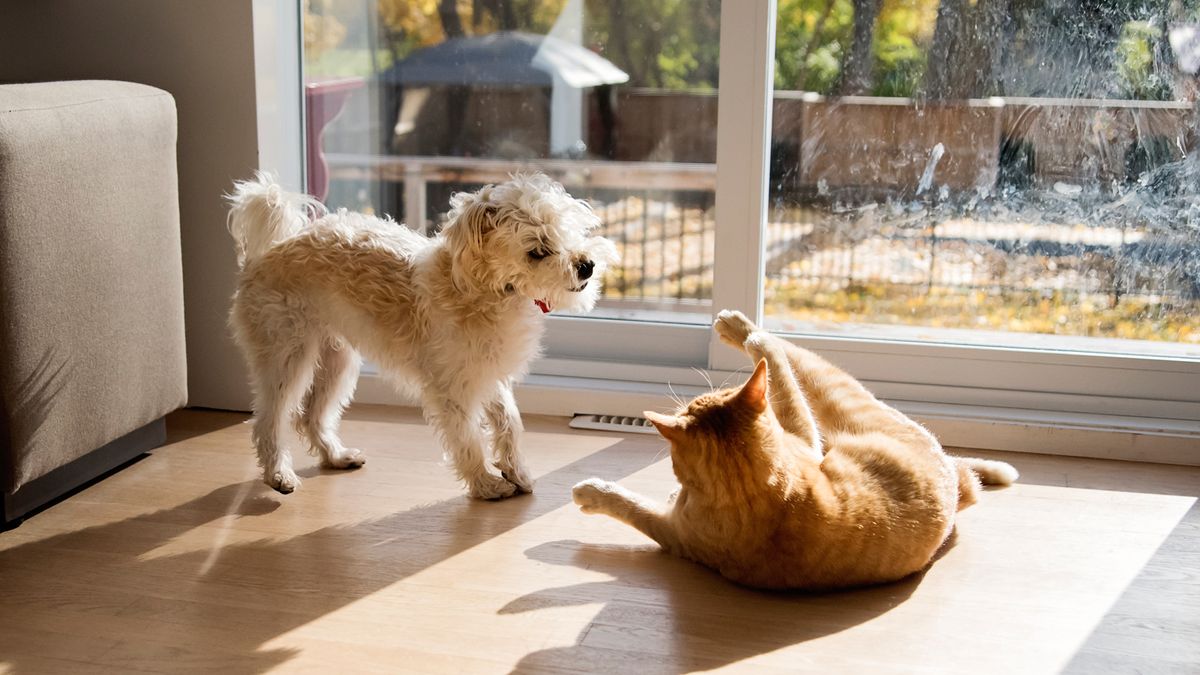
978	53
618	38
988	46
860	62
451	21
946	36
504	12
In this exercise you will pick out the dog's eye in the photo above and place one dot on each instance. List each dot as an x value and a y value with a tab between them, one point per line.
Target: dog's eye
538	254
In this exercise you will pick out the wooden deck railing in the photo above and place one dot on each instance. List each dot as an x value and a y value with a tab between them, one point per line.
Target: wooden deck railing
661	217
417	172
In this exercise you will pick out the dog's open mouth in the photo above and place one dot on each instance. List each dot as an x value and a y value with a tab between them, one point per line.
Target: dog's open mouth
545	306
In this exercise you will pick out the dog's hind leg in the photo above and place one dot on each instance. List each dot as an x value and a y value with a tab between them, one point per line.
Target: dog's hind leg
463	439
505	421
333	384
282	377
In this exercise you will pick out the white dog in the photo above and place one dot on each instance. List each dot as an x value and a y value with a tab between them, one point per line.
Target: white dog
456	317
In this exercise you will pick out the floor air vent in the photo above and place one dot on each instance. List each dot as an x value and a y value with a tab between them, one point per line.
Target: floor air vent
613	423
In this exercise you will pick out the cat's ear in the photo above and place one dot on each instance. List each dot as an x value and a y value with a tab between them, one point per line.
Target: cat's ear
754	393
669	426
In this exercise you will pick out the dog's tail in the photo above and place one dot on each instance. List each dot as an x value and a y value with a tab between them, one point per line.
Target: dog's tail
263	214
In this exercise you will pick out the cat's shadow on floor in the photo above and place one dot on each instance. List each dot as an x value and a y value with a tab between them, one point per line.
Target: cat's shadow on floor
662	614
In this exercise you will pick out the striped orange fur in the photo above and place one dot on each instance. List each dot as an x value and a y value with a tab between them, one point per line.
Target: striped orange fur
801	478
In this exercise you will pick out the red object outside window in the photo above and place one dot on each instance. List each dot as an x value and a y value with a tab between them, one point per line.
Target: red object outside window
324	100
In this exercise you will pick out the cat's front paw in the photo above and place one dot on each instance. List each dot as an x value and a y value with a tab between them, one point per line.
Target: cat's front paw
733	328
592	494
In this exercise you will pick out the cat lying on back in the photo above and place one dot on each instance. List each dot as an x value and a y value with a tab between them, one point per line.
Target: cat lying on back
812	484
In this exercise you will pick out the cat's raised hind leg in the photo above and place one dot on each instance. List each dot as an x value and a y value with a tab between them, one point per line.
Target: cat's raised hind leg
787	398
601	496
838	401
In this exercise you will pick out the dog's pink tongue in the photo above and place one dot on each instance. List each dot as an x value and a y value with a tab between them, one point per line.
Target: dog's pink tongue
542	306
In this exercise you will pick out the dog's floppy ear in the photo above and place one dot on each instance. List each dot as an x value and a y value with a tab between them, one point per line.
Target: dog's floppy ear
472	216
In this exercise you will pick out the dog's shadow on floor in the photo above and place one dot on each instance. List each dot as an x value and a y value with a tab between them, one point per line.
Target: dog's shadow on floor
118	597
662	614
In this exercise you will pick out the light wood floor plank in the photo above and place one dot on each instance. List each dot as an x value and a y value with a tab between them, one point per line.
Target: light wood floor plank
185	562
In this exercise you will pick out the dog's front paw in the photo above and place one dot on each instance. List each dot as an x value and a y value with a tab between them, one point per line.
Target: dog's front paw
517	475
592	494
348	458
733	328
285	481
490	486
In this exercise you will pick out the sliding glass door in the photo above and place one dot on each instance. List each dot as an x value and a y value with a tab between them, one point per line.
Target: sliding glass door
616	100
1004	173
990	203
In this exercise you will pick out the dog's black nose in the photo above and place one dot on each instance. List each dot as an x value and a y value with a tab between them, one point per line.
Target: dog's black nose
584	269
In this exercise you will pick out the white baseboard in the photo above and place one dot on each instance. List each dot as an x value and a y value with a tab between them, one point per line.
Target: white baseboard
959	426
1067	434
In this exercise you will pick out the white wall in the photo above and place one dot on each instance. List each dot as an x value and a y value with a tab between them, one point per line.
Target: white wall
203	53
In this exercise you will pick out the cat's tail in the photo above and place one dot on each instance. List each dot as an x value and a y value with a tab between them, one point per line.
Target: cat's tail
973	471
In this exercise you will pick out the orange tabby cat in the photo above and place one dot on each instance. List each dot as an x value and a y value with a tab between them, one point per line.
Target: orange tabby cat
822	487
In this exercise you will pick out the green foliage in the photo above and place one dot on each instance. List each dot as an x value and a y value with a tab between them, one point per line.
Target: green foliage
899	60
811	37
1135	62
675	71
825	66
674	44
668	44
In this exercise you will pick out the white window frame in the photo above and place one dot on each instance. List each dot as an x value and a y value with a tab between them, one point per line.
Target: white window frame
1067	402
279	89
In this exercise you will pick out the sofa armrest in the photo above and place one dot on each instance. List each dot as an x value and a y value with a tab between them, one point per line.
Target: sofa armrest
91	291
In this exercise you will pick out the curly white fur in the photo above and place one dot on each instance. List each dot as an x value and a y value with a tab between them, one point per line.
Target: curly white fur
456	317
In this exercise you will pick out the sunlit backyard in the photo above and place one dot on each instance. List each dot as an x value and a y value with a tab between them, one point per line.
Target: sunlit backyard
1024	277
941	167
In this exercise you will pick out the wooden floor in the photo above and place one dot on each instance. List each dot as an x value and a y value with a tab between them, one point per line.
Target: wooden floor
184	561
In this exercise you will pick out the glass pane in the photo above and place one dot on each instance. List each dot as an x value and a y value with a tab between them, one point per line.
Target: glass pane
1006	172
411	102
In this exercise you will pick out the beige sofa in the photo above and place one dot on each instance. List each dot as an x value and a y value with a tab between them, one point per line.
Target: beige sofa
91	292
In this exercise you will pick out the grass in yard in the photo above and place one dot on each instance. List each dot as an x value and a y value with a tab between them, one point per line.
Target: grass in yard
346	63
1055	313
